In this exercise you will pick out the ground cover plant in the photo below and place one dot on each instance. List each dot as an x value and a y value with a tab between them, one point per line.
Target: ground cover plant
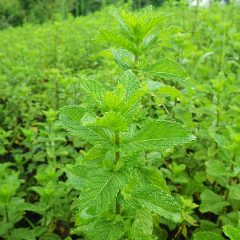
44	68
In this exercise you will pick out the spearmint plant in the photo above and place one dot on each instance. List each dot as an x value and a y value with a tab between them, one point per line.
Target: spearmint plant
119	191
137	35
132	47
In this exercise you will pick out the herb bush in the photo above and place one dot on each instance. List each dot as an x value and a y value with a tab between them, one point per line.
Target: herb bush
43	68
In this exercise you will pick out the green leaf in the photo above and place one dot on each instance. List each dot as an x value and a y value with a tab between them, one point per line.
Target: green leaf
142	227
207	236
115	100
212	202
157	201
157	135
216	168
153	176
161	89
94	89
102	230
137	26
23	234
95	153
124	58
101	189
168	70
149	40
130	82
129	109
117	40
71	119
232	232
77	174
113	121
234	192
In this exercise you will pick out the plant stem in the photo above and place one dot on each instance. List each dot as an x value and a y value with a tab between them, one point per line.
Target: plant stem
7	219
118	206
6	214
117	143
117	157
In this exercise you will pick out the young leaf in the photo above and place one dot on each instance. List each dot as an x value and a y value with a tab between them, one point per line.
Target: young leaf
149	40
70	117
113	121
118	40
130	82
157	135
124	58
94	89
168	70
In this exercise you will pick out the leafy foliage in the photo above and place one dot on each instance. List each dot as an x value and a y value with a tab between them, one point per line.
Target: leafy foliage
103	189
44	169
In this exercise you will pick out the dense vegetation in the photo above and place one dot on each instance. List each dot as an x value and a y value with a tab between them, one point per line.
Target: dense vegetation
17	12
43	68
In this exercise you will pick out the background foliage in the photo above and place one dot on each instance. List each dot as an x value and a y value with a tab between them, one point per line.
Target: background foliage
40	68
16	12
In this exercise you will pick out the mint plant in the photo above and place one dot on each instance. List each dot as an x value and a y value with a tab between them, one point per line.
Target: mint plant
132	46
119	189
139	33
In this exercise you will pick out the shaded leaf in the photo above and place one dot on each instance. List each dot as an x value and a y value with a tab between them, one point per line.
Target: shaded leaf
212	202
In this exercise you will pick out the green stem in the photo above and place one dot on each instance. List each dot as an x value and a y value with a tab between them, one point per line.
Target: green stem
117	143
29	222
117	157
223	50
7	220
6	214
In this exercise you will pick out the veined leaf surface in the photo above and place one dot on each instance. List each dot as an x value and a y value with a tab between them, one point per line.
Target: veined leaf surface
168	70
158	202
232	232
101	189
205	235
70	118
157	135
